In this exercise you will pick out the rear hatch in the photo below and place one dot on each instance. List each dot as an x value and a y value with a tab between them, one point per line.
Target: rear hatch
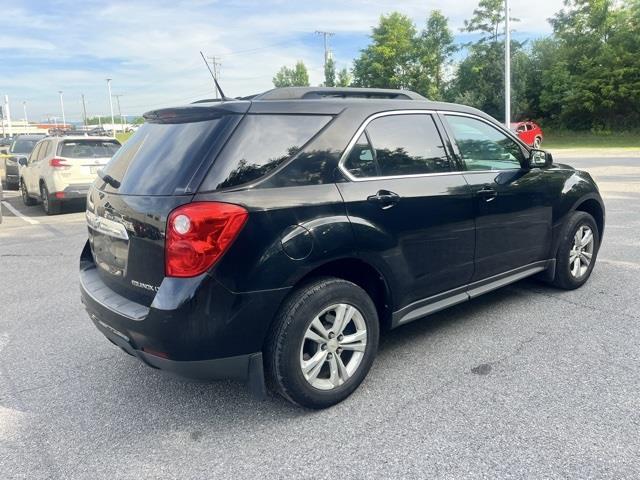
84	157
156	170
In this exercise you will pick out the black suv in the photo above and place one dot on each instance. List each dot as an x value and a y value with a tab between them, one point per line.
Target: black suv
276	236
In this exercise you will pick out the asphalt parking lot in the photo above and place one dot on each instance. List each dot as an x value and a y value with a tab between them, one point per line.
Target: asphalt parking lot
526	382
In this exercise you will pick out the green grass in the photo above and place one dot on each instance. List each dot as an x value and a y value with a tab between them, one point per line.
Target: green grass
566	139
123	137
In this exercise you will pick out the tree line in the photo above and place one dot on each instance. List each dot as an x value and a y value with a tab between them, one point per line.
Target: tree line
584	76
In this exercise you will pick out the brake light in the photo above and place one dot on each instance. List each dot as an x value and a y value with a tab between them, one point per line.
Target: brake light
198	234
58	163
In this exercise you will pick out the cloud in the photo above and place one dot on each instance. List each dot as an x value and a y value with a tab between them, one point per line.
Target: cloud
150	48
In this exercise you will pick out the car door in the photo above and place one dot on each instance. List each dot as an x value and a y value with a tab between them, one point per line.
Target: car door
29	174
513	208
409	205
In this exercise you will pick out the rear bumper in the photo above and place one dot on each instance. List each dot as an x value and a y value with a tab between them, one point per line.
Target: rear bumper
75	191
194	328
247	368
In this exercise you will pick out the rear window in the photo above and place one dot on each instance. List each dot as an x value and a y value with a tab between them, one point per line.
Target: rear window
260	144
23	145
88	148
161	158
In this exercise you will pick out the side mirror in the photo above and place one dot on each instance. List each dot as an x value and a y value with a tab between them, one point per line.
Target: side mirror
22	161
539	159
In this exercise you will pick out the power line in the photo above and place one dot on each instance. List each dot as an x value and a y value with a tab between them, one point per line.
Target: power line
216	66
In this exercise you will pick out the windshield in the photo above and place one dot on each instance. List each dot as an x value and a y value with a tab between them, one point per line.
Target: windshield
89	148
23	145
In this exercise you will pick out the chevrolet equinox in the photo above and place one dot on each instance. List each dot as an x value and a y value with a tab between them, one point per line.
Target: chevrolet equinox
272	238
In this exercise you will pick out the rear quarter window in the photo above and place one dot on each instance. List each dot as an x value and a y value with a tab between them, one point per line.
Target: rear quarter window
261	144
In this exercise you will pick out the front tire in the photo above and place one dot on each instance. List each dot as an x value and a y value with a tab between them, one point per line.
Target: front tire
537	142
26	199
577	252
323	343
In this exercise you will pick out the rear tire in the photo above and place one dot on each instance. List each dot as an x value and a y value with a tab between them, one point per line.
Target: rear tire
308	362
577	252
26	199
50	204
537	142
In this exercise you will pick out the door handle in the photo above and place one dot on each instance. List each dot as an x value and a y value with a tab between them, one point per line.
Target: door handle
487	193
384	198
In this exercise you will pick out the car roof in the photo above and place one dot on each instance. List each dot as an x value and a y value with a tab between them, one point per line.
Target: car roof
314	100
84	137
29	136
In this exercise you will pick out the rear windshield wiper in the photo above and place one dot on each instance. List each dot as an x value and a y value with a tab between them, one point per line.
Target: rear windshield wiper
109	179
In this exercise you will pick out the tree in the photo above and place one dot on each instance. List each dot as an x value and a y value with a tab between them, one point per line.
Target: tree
480	76
330	73
298	76
344	78
434	48
388	61
594	82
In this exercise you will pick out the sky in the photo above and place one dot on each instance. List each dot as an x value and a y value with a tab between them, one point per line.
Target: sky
151	48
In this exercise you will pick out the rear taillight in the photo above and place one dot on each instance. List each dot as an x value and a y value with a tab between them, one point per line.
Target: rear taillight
58	163
198	234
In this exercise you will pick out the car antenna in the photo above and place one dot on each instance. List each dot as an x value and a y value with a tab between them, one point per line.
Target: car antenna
222	95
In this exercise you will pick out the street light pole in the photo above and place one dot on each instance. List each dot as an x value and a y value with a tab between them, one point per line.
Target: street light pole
7	112
26	119
119	111
507	65
113	122
64	120
84	111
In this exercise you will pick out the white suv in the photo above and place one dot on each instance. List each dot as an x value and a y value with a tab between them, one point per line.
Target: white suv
62	168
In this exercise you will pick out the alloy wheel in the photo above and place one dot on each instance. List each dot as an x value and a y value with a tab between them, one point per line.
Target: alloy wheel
333	346
581	252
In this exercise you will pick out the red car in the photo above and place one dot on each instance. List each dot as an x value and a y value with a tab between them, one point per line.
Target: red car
528	132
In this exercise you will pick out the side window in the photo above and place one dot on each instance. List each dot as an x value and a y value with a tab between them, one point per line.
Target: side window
360	162
482	146
45	149
400	145
260	144
34	154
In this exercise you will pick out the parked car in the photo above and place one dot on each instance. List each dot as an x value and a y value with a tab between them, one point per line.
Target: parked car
5	144
21	147
279	235
61	169
529	132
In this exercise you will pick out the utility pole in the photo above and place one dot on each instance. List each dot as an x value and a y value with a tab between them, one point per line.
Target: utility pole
26	119
7	111
84	112
325	36
216	66
507	65
119	111
64	120
113	122
4	135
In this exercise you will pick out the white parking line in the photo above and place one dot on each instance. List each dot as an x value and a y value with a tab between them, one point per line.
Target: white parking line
18	214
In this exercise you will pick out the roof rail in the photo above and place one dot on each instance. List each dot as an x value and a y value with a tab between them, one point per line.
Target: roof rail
308	93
